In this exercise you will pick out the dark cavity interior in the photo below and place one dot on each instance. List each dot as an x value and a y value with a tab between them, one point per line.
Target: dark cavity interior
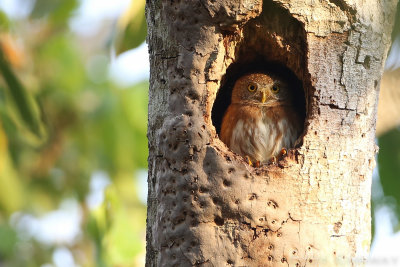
273	42
236	70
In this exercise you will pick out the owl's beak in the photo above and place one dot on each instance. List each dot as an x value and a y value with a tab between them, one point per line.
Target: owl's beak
264	97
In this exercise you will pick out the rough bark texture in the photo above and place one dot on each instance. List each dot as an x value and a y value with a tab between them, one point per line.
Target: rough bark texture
206	206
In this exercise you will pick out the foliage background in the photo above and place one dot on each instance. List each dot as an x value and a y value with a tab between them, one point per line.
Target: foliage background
73	144
73	147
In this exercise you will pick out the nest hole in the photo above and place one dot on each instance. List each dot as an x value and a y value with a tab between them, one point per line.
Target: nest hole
236	70
273	43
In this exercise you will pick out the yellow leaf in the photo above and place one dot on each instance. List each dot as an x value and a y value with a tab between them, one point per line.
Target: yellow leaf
10	186
132	28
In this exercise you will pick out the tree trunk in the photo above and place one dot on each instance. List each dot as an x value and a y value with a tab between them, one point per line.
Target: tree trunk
206	205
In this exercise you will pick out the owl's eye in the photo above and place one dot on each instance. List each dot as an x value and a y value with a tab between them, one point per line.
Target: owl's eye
252	87
275	88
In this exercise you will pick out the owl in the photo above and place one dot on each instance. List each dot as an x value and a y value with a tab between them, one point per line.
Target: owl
261	122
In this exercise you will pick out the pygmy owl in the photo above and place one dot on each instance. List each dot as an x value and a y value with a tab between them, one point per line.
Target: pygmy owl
261	121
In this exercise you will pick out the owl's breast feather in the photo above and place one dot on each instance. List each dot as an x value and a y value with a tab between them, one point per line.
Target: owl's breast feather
259	133
256	139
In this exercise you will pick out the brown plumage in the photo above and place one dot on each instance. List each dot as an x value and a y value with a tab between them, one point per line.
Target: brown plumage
261	119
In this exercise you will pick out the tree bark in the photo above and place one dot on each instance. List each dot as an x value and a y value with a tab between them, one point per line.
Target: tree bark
206	205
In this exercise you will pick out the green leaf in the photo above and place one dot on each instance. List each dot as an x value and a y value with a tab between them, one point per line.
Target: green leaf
4	22
11	189
132	27
389	168
8	239
125	237
63	11
396	26
44	7
25	103
61	67
53	8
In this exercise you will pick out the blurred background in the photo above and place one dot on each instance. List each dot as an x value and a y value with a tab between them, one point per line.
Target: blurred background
73	148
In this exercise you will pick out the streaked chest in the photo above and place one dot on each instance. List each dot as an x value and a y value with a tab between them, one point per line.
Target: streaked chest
263	136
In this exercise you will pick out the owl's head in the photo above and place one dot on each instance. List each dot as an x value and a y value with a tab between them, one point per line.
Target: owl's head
261	89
